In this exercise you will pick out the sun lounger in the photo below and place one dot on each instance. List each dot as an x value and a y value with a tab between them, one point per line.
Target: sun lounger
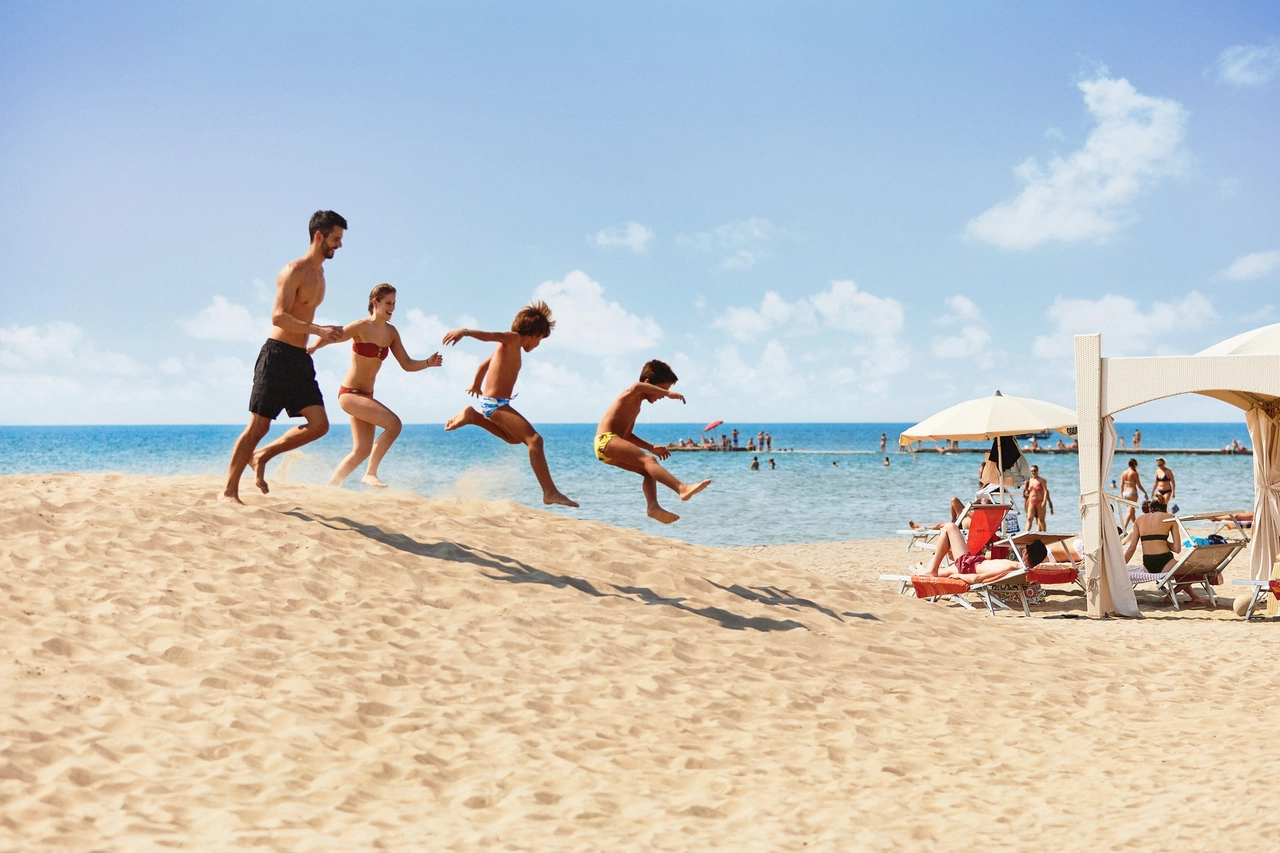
1260	590
1199	565
954	588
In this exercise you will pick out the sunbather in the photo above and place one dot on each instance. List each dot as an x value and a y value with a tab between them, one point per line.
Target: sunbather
1152	531
973	567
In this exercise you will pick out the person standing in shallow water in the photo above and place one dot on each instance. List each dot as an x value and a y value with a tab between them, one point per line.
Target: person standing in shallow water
284	376
374	339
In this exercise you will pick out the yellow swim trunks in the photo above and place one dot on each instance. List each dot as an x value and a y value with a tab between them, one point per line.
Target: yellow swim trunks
602	441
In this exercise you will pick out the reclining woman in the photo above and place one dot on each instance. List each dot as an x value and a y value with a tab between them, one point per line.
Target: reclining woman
973	567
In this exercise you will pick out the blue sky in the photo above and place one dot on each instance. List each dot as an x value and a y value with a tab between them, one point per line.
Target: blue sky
839	212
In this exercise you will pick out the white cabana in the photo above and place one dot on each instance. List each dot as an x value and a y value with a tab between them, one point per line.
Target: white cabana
1243	371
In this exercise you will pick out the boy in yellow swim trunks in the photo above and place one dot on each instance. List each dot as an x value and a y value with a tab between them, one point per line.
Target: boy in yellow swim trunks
618	446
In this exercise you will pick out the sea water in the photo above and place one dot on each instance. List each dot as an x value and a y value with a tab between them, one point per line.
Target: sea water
830	481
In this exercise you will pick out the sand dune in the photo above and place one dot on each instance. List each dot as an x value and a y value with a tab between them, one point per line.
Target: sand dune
332	670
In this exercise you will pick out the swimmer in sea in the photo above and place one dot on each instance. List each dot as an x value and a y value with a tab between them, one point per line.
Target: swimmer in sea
374	338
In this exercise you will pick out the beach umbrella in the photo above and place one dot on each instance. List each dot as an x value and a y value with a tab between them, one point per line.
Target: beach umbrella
711	426
991	417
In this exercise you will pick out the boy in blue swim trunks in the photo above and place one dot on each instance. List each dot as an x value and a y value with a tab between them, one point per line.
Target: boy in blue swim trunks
495	382
618	446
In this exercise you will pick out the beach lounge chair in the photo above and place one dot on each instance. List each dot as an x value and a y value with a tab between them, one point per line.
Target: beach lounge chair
1260	590
985	530
955	588
1199	565
924	538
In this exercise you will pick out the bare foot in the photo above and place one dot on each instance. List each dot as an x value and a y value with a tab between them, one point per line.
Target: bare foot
687	491
657	513
466	416
231	499
558	499
372	480
259	472
913	525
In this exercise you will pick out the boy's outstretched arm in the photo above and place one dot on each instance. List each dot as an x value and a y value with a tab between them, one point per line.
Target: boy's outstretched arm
646	388
489	337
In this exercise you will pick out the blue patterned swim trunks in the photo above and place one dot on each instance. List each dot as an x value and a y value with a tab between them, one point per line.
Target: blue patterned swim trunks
489	405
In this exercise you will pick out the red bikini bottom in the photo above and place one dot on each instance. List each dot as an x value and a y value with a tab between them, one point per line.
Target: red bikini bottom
343	389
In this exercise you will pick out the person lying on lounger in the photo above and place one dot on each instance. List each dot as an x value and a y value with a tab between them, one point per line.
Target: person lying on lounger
973	567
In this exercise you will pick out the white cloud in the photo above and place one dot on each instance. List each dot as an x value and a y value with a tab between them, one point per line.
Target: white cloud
1126	329
747	241
972	342
633	236
844	307
1249	64
1253	266
587	323
849	309
868	346
221	320
59	349
1086	195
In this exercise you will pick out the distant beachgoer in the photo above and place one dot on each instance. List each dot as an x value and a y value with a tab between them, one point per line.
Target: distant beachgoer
835	464
1061	445
1035	496
285	376
735	438
884	442
617	445
768	441
1137	439
772	464
951	544
531	326
755	463
1130	484
1120	439
374	339
1152	530
751	444
886	462
1165	488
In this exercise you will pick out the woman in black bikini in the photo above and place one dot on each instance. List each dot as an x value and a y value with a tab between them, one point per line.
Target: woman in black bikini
374	338
1165	486
1153	531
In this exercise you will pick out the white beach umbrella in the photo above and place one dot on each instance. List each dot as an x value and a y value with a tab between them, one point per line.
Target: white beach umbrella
991	417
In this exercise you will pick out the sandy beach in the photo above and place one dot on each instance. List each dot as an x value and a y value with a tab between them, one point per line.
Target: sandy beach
334	670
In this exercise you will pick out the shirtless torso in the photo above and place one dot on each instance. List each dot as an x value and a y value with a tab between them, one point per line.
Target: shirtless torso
299	291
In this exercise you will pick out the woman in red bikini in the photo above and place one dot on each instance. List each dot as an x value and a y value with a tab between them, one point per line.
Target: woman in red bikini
373	339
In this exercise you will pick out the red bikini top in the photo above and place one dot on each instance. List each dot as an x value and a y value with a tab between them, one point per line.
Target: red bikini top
370	350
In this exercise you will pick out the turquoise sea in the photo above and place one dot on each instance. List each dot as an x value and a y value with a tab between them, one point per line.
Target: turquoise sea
833	485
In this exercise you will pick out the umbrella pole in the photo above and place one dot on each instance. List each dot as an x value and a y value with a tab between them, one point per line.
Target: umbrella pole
1000	465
